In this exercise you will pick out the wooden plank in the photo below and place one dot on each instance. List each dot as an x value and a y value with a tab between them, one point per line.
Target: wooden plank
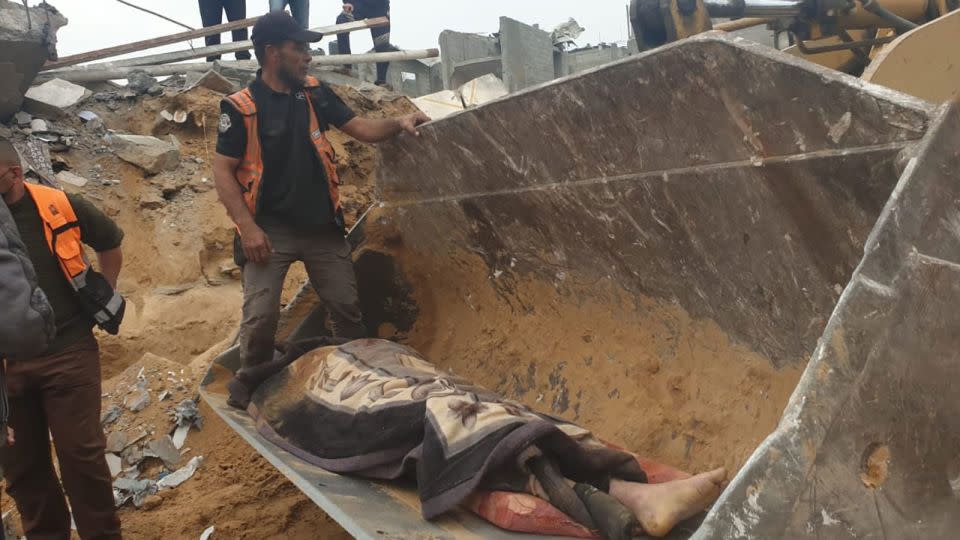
213	50
93	74
118	50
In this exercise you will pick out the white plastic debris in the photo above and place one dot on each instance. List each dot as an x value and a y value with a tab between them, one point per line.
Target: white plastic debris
181	475
207	533
180	436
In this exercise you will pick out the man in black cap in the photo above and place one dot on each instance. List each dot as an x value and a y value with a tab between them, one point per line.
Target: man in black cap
276	174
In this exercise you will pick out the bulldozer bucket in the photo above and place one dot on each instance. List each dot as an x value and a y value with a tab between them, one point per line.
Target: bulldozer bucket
653	250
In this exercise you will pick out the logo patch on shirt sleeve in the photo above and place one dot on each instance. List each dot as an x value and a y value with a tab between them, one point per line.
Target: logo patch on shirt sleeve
225	123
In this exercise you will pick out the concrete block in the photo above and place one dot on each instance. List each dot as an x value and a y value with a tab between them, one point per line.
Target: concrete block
149	153
458	47
527	54
58	94
210	80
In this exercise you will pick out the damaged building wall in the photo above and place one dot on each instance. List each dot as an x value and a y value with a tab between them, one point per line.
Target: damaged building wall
28	38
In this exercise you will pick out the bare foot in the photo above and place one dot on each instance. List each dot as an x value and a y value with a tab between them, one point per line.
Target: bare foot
659	507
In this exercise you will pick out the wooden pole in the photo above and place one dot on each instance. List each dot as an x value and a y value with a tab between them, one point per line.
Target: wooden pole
213	50
118	50
85	74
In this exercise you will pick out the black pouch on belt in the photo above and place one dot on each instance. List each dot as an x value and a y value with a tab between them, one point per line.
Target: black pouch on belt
101	302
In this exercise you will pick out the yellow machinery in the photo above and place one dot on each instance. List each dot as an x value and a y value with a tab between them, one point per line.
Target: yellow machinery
908	45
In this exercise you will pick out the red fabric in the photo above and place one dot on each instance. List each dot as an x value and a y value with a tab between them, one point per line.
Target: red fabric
520	512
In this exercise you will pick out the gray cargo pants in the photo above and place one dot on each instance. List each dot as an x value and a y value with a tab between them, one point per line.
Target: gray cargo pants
326	256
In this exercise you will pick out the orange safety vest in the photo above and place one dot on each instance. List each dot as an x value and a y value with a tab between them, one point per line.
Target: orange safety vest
62	231
250	171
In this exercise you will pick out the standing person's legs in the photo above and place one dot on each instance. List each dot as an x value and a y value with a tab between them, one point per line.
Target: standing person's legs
343	40
71	401
28	464
262	288
237	10
211	14
326	256
300	9
381	39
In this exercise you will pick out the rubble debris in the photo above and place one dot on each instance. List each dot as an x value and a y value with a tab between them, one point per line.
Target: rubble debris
179	116
166	393
152	201
187	414
88	116
210	80
138	401
115	464
476	92
28	38
565	34
181	475
208	533
35	156
180	436
151	502
110	415
140	82
67	177
164	450
149	153
23	118
38	124
132	455
52	97
126	489
117	441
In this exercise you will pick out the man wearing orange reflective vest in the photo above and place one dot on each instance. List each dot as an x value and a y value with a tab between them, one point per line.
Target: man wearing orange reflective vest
58	393
276	174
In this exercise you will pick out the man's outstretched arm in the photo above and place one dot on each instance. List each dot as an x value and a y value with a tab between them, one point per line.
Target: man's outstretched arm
371	130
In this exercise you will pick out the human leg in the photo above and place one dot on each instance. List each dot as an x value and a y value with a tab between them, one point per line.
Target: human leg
343	40
72	406
660	507
381	39
28	465
211	14
300	9
237	10
330	268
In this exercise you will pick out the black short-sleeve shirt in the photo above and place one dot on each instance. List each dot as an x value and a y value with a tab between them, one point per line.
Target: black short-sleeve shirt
294	188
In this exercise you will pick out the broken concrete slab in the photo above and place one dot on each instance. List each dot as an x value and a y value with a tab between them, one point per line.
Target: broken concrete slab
115	464
52	97
126	489
117	441
25	45
165	450
132	455
137	401
475	92
210	80
458	48
38	124
110	415
67	177
149	153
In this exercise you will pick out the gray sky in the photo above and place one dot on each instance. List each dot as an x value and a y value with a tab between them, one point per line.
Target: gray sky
96	24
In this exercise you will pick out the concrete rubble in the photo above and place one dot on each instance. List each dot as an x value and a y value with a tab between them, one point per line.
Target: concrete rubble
164	450
138	401
24	47
181	475
147	152
52	97
210	80
476	92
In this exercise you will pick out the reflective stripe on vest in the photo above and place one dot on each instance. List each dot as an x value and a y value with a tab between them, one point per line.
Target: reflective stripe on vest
250	171
62	231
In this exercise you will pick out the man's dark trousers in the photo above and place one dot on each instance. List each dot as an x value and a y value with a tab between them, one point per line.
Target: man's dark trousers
59	395
369	9
211	14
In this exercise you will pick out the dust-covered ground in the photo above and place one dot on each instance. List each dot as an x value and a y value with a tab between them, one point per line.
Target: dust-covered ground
184	301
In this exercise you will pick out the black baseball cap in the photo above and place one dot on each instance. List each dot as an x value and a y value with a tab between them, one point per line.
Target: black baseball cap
278	26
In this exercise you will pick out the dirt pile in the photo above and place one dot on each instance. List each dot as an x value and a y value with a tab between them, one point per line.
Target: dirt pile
184	300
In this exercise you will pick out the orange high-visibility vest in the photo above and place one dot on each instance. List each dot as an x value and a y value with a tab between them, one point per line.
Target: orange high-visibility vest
62	231
250	171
